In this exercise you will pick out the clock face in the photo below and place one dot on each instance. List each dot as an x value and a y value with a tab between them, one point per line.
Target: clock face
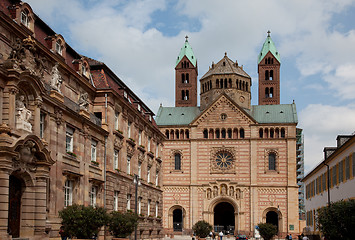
224	160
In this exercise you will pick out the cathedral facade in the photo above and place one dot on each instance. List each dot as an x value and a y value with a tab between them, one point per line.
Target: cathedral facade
226	161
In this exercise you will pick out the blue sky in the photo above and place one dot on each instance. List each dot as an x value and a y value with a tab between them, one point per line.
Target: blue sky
140	40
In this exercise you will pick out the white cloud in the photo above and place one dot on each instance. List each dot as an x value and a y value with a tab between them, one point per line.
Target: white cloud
343	81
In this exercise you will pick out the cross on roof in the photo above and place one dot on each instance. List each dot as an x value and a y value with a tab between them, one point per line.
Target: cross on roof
268	33
186	38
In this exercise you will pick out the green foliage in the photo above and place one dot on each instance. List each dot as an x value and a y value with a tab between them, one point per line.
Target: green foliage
122	225
83	222
202	228
337	221
267	230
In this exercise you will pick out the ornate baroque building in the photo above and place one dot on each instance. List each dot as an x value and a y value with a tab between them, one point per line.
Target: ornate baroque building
228	162
71	132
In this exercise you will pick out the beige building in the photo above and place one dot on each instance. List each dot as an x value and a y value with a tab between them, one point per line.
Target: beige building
71	132
228	162
331	180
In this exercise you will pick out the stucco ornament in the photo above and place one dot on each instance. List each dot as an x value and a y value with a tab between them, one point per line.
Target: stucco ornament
84	101
23	114
25	160
56	80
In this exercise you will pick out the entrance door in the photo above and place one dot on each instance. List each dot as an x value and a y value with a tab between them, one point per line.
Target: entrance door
224	219
271	217
177	220
15	192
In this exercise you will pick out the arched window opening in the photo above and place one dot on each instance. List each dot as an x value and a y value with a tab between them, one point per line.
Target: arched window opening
268	61
243	86
217	133
210	84
272	61
267	94
217	83
272	161
221	83
167	134
203	88
267	75
240	84
172	134
187	97
236	83
205	133
211	134
225	83
266	133
271	133
223	132
277	135
235	133
282	132
187	78
229	132
265	61
182	94
271	77
261	133
177	161
247	87
271	92
187	134
177	135
187	65
181	134
182	77
230	83
241	133
182	65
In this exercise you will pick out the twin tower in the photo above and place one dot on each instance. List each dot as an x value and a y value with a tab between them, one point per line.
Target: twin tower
228	77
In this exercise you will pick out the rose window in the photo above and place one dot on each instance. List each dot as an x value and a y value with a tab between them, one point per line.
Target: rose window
224	160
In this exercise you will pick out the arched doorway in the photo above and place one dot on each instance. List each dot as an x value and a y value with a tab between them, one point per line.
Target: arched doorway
224	218
272	217
177	220
15	194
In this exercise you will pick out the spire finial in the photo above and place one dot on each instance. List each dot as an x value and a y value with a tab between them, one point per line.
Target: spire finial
225	53
186	38
268	33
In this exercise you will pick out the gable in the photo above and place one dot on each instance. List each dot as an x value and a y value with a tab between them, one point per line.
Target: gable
235	115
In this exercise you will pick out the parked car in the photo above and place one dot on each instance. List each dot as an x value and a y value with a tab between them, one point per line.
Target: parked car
241	237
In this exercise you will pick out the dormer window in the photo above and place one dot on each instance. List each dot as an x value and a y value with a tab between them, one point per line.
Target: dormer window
24	18
83	70
125	94
139	107
58	47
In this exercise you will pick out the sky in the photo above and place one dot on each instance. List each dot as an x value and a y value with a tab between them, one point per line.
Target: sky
141	39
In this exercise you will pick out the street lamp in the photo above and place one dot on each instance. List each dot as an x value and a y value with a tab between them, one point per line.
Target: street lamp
136	182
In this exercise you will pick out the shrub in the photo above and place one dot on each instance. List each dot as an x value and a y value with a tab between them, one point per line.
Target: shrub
202	228
337	220
83	222
267	230
122	225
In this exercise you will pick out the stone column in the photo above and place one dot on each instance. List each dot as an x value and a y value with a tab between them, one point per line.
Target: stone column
37	115
41	202
4	202
11	107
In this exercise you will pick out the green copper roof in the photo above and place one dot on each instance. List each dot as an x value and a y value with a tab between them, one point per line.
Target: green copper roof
269	46
176	115
186	50
282	113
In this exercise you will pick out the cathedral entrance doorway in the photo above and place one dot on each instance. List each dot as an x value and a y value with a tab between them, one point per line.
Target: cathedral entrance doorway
177	220
224	219
272	217
15	194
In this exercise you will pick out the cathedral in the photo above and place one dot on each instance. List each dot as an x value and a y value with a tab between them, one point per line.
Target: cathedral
226	161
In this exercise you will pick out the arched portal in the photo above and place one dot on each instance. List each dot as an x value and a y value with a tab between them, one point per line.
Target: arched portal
224	218
16	186
177	220
272	217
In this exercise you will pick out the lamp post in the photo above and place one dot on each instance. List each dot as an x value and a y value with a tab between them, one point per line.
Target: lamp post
136	182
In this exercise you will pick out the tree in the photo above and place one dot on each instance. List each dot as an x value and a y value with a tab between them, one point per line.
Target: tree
83	222
337	221
267	230
122	225
202	228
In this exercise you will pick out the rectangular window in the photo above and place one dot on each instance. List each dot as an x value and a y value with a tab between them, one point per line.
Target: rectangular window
149	142
139	205
334	176
148	175
115	159
341	171
157	178
115	200
177	161
93	150
139	169
347	168
58	47
156	209
129	129
41	125
128	164
69	139
128	201
148	207
116	120
140	137
157	150
68	193
93	193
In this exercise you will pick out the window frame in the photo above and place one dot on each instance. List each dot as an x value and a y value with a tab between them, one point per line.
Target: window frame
69	134
93	195
115	159
94	144
68	192
115	200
